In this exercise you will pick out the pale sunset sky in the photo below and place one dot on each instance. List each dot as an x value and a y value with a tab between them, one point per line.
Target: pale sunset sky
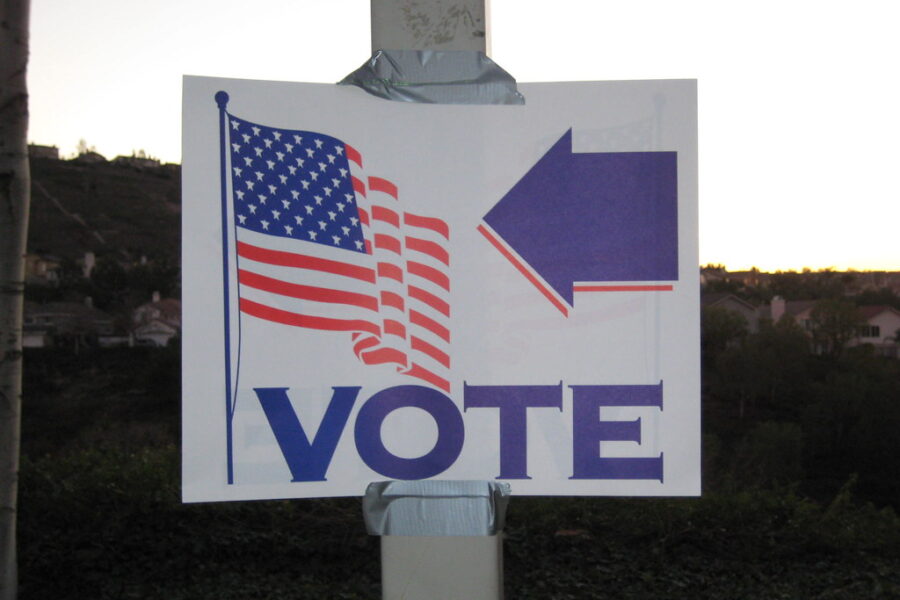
799	100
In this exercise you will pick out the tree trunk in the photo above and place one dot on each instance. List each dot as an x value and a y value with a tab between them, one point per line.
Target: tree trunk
14	201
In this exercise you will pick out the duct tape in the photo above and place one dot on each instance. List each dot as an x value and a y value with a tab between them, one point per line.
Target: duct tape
436	77
435	508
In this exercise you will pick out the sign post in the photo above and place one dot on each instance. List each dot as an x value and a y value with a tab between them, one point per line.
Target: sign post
416	563
430	25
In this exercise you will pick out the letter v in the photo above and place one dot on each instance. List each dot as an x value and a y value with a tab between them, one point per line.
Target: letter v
307	462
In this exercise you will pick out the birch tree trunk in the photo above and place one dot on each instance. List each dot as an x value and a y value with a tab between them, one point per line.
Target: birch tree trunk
14	200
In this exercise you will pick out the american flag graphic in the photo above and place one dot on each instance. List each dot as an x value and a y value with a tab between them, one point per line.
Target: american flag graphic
322	245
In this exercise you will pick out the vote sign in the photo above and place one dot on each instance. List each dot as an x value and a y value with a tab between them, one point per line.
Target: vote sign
379	290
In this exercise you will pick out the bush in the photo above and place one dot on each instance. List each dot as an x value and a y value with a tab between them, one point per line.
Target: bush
770	455
104	523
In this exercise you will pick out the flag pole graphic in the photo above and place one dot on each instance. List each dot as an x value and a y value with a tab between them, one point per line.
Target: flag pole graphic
222	102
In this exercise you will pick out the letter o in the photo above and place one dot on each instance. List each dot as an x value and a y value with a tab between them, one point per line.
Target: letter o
451	432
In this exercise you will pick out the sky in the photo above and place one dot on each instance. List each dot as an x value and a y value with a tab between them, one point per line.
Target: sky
799	101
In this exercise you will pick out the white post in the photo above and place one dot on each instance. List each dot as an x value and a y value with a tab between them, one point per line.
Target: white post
430	25
463	567
439	539
442	568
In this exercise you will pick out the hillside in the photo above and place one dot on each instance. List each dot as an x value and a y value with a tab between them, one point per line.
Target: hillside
109	209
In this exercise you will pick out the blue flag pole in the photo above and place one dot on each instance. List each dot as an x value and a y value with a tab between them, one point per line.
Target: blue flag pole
222	101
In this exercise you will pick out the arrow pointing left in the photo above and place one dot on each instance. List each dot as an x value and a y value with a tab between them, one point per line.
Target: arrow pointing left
590	217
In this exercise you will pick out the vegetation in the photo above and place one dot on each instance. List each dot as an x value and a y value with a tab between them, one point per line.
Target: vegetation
800	490
801	477
778	413
111	210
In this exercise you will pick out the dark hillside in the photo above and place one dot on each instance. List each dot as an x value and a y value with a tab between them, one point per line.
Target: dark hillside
109	209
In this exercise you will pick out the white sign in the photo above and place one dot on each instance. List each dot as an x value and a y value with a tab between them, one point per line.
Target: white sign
379	290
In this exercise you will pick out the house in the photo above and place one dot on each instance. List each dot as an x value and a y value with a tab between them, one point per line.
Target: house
137	162
38	151
65	324
881	330
752	278
42	269
734	304
880	327
710	274
156	322
34	334
799	310
90	157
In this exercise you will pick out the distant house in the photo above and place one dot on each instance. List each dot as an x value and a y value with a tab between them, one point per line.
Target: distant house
65	324
38	151
87	263
711	274
42	269
799	310
34	334
734	304
90	158
880	328
751	278
138	162
156	322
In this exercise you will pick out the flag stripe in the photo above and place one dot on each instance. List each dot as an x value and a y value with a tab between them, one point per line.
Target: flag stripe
393	300
364	344
429	299
363	216
306	292
284	317
426	348
353	154
436	225
302	261
429	273
358	186
384	355
424	374
432	249
393	327
417	318
390	271
388	242
378	184
380	213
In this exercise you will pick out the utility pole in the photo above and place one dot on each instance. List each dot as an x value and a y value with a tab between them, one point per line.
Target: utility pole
14	201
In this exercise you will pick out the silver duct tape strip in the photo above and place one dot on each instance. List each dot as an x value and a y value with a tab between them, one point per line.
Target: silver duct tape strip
436	77
435	508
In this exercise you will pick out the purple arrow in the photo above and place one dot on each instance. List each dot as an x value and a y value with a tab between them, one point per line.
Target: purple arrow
593	217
